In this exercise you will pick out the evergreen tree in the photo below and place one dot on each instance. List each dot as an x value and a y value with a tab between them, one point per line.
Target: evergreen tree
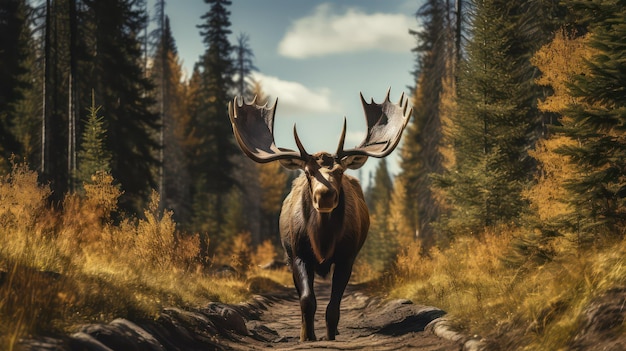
14	33
20	91
175	134
493	123
598	124
56	157
381	244
93	156
113	67
421	156
244	66
380	189
213	166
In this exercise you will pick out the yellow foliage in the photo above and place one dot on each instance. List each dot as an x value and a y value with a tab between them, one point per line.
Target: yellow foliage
64	267
538	306
273	180
547	196
241	253
266	252
559	61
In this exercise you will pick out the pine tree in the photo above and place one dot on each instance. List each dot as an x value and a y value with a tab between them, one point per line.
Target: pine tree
175	134
493	124
244	66
381	244
114	69
14	52
379	191
598	120
20	92
214	163
93	156
420	153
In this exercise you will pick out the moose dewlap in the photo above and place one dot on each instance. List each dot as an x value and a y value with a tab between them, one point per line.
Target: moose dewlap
324	219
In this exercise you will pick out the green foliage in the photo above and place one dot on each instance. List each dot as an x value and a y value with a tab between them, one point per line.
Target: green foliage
16	60
491	128
598	116
420	151
212	166
381	245
93	156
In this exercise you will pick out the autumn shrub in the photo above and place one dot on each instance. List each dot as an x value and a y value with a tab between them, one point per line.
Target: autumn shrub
241	253
265	253
537	305
77	264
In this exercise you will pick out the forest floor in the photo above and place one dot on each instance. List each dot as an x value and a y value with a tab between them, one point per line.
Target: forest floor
272	322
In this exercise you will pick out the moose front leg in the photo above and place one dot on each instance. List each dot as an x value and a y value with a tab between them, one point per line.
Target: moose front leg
303	277
341	276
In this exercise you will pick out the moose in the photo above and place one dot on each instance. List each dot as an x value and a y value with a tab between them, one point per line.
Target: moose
324	220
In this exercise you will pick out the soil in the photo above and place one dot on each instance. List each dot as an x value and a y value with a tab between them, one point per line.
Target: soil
272	322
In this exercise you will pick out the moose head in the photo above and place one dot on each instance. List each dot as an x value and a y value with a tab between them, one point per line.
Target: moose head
253	127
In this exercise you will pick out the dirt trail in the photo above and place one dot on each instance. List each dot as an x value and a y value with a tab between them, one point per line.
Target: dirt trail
270	322
366	324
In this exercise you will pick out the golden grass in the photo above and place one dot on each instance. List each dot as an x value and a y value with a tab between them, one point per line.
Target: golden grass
539	306
60	268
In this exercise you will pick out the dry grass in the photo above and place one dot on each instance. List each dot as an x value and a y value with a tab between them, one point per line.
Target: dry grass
60	268
528	306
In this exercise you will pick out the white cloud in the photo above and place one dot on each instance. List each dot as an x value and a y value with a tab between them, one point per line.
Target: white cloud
295	98
325	32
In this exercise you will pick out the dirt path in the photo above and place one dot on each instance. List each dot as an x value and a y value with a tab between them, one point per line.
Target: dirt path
366	323
270	322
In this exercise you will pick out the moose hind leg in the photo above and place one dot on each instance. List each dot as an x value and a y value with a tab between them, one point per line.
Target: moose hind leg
303	277
341	276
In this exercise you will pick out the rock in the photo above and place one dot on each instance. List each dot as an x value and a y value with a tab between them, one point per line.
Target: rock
122	334
601	327
227	318
84	341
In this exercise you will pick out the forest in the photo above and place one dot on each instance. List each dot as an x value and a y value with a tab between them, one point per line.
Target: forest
509	211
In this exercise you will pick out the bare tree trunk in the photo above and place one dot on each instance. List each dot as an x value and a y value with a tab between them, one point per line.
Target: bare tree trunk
45	118
71	145
164	125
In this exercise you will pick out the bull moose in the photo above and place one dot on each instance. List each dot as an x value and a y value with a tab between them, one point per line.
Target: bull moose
324	220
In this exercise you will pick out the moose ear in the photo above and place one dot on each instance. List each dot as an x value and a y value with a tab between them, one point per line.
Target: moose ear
353	161
292	163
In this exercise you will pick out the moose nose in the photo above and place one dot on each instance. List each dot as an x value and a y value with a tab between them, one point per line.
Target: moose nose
325	201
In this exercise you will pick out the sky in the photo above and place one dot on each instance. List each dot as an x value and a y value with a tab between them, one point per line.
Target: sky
316	57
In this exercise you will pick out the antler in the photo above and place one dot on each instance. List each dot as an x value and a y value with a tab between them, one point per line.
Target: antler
385	123
253	126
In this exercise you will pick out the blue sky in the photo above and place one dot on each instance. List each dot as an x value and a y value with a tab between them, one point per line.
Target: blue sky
315	57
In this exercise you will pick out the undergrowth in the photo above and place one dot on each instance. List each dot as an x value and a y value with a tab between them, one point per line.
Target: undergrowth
64	267
534	305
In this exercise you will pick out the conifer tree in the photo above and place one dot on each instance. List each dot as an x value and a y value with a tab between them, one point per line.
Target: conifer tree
113	32
20	91
214	163
244	66
379	191
93	156
598	120
421	152
381	244
493	123
13	53
175	133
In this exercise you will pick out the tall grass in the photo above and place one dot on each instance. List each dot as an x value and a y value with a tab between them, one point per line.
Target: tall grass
63	267
529	305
